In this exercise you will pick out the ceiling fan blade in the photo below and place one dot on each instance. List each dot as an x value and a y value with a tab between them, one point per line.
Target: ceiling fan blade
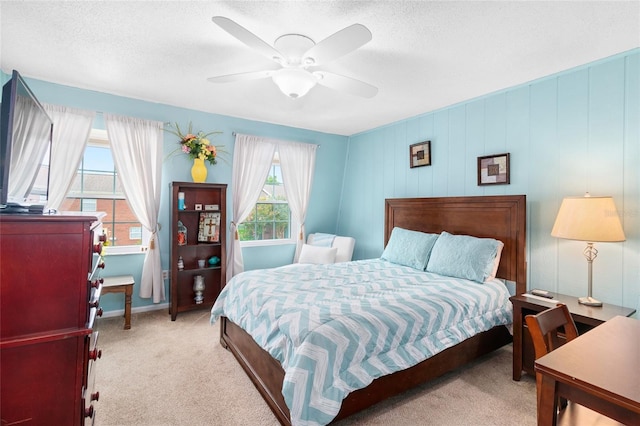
243	76
346	84
338	44
248	38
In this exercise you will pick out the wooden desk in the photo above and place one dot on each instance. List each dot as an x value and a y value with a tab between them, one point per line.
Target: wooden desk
585	317
599	370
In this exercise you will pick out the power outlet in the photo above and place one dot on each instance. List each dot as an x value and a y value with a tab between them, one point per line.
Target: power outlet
165	275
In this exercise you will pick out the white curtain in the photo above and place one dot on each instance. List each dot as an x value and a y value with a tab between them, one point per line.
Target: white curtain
71	130
252	158
30	131
137	154
298	161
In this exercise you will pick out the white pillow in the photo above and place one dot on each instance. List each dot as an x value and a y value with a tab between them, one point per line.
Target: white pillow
317	254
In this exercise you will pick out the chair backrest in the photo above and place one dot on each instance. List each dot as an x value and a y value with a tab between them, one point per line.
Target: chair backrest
545	325
344	245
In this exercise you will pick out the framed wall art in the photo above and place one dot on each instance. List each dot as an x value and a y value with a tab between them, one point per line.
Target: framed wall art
209	227
420	154
493	169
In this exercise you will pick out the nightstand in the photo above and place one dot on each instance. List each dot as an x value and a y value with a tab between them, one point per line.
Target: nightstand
585	317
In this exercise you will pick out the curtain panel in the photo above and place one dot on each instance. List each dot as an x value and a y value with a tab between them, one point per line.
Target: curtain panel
137	154
71	131
298	161
252	158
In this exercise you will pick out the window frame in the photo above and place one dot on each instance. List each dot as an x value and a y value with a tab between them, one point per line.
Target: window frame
294	226
99	138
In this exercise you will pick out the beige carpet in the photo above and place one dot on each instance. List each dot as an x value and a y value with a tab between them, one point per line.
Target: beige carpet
176	373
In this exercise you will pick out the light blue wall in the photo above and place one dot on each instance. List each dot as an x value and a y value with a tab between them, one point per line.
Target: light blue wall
325	196
569	133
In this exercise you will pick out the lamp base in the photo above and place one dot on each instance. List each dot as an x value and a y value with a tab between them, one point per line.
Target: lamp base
589	301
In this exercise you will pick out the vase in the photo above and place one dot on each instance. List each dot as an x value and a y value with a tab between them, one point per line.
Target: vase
198	289
198	171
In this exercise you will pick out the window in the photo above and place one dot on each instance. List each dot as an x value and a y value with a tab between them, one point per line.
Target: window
97	188
270	221
135	233
89	205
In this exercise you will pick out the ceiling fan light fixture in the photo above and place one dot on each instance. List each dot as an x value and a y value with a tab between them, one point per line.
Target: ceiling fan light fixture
294	82
295	53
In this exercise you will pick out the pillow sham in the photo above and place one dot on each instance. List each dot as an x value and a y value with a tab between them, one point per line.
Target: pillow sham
317	254
464	256
409	248
496	261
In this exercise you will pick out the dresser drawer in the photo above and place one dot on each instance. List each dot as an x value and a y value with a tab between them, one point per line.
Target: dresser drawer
90	395
41	380
41	273
94	306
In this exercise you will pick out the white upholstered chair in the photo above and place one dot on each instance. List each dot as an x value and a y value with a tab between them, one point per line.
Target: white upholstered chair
344	246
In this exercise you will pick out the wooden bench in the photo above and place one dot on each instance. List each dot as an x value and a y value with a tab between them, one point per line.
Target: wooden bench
121	284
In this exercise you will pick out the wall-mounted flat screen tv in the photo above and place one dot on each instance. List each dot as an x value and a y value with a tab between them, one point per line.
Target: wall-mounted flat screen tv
25	149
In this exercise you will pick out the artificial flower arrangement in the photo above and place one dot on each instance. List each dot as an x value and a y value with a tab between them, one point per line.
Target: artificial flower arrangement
196	145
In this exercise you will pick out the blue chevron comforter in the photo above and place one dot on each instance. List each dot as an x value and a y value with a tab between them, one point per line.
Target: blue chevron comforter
335	328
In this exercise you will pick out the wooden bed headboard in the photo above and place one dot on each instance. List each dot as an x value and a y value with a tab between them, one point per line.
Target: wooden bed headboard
502	217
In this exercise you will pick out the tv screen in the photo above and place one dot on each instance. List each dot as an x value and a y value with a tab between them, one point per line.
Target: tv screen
25	149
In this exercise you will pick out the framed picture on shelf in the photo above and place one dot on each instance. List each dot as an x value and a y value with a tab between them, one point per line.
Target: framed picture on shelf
209	227
493	169
420	154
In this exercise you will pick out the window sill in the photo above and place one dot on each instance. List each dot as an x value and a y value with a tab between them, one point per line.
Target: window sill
124	250
266	243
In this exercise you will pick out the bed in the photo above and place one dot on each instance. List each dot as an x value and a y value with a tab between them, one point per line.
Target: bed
497	217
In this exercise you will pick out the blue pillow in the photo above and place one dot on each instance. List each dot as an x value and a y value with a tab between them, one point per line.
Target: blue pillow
463	256
409	248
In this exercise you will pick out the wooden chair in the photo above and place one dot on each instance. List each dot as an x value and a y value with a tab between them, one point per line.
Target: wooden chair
544	328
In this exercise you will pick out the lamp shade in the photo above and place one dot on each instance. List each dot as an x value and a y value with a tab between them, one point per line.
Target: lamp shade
294	82
592	219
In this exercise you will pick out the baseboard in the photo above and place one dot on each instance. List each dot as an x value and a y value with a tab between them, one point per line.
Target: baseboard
148	308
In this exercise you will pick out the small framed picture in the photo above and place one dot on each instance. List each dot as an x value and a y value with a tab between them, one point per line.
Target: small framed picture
198	206
209	227
420	154
211	207
493	169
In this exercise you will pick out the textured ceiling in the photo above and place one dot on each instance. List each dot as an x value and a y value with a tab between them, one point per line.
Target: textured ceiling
424	55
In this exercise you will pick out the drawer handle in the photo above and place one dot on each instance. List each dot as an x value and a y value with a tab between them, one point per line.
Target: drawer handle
88	412
101	265
97	248
94	304
94	354
99	312
96	283
95	396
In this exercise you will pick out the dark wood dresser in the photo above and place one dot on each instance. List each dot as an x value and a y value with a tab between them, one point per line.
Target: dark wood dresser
49	294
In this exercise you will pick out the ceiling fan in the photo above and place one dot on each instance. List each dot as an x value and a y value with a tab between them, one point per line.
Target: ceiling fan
298	56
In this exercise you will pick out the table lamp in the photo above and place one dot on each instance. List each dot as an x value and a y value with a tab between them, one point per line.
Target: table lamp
590	219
